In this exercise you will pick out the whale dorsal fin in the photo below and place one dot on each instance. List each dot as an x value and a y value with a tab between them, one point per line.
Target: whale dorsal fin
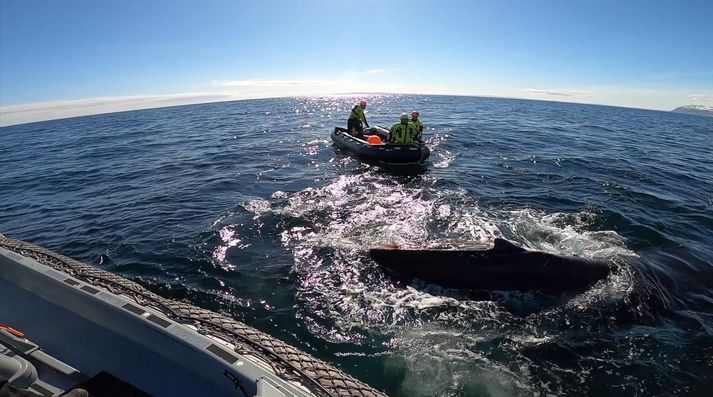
502	245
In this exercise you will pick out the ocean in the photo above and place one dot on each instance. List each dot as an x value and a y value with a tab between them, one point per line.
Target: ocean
246	208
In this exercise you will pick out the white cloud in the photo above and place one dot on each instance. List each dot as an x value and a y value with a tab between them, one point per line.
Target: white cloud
30	112
346	78
701	97
625	96
271	83
221	90
558	92
379	71
218	90
226	90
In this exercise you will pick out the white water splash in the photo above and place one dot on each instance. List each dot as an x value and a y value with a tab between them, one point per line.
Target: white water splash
342	296
228	239
563	233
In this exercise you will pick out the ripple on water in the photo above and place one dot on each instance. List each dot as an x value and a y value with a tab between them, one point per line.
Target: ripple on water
436	335
246	208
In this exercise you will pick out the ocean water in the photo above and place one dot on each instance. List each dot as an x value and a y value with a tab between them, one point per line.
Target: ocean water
247	209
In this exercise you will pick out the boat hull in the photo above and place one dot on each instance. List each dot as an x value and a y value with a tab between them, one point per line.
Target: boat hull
93	321
386	153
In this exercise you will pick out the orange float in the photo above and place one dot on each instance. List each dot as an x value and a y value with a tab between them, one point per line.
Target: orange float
374	139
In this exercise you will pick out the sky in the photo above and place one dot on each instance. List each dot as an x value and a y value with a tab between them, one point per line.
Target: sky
76	57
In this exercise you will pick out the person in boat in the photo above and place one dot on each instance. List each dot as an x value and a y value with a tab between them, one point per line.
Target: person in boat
357	120
419	126
403	132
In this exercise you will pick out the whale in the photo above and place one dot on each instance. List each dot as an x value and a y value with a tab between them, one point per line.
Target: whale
504	267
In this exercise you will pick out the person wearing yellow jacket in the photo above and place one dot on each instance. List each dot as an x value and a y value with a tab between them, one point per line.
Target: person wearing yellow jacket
356	118
403	132
419	126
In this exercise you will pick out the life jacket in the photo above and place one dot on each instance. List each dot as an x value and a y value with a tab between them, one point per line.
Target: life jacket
419	129
358	113
403	134
418	124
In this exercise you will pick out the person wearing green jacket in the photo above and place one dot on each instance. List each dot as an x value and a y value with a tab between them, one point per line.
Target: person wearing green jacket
356	118
403	132
419	126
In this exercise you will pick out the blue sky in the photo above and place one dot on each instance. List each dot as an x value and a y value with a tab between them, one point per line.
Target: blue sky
58	58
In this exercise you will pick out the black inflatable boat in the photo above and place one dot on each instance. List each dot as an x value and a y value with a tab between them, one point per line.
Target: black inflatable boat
505	267
383	153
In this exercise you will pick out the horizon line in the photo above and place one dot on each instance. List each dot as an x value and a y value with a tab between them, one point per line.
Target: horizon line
59	104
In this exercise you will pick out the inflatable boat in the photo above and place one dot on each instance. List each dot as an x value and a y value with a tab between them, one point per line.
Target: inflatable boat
376	150
504	267
69	327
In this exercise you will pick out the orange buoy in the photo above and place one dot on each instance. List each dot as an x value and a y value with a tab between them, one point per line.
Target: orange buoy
374	139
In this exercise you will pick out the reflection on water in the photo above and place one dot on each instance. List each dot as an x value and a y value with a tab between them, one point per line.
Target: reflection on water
246	208
443	337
